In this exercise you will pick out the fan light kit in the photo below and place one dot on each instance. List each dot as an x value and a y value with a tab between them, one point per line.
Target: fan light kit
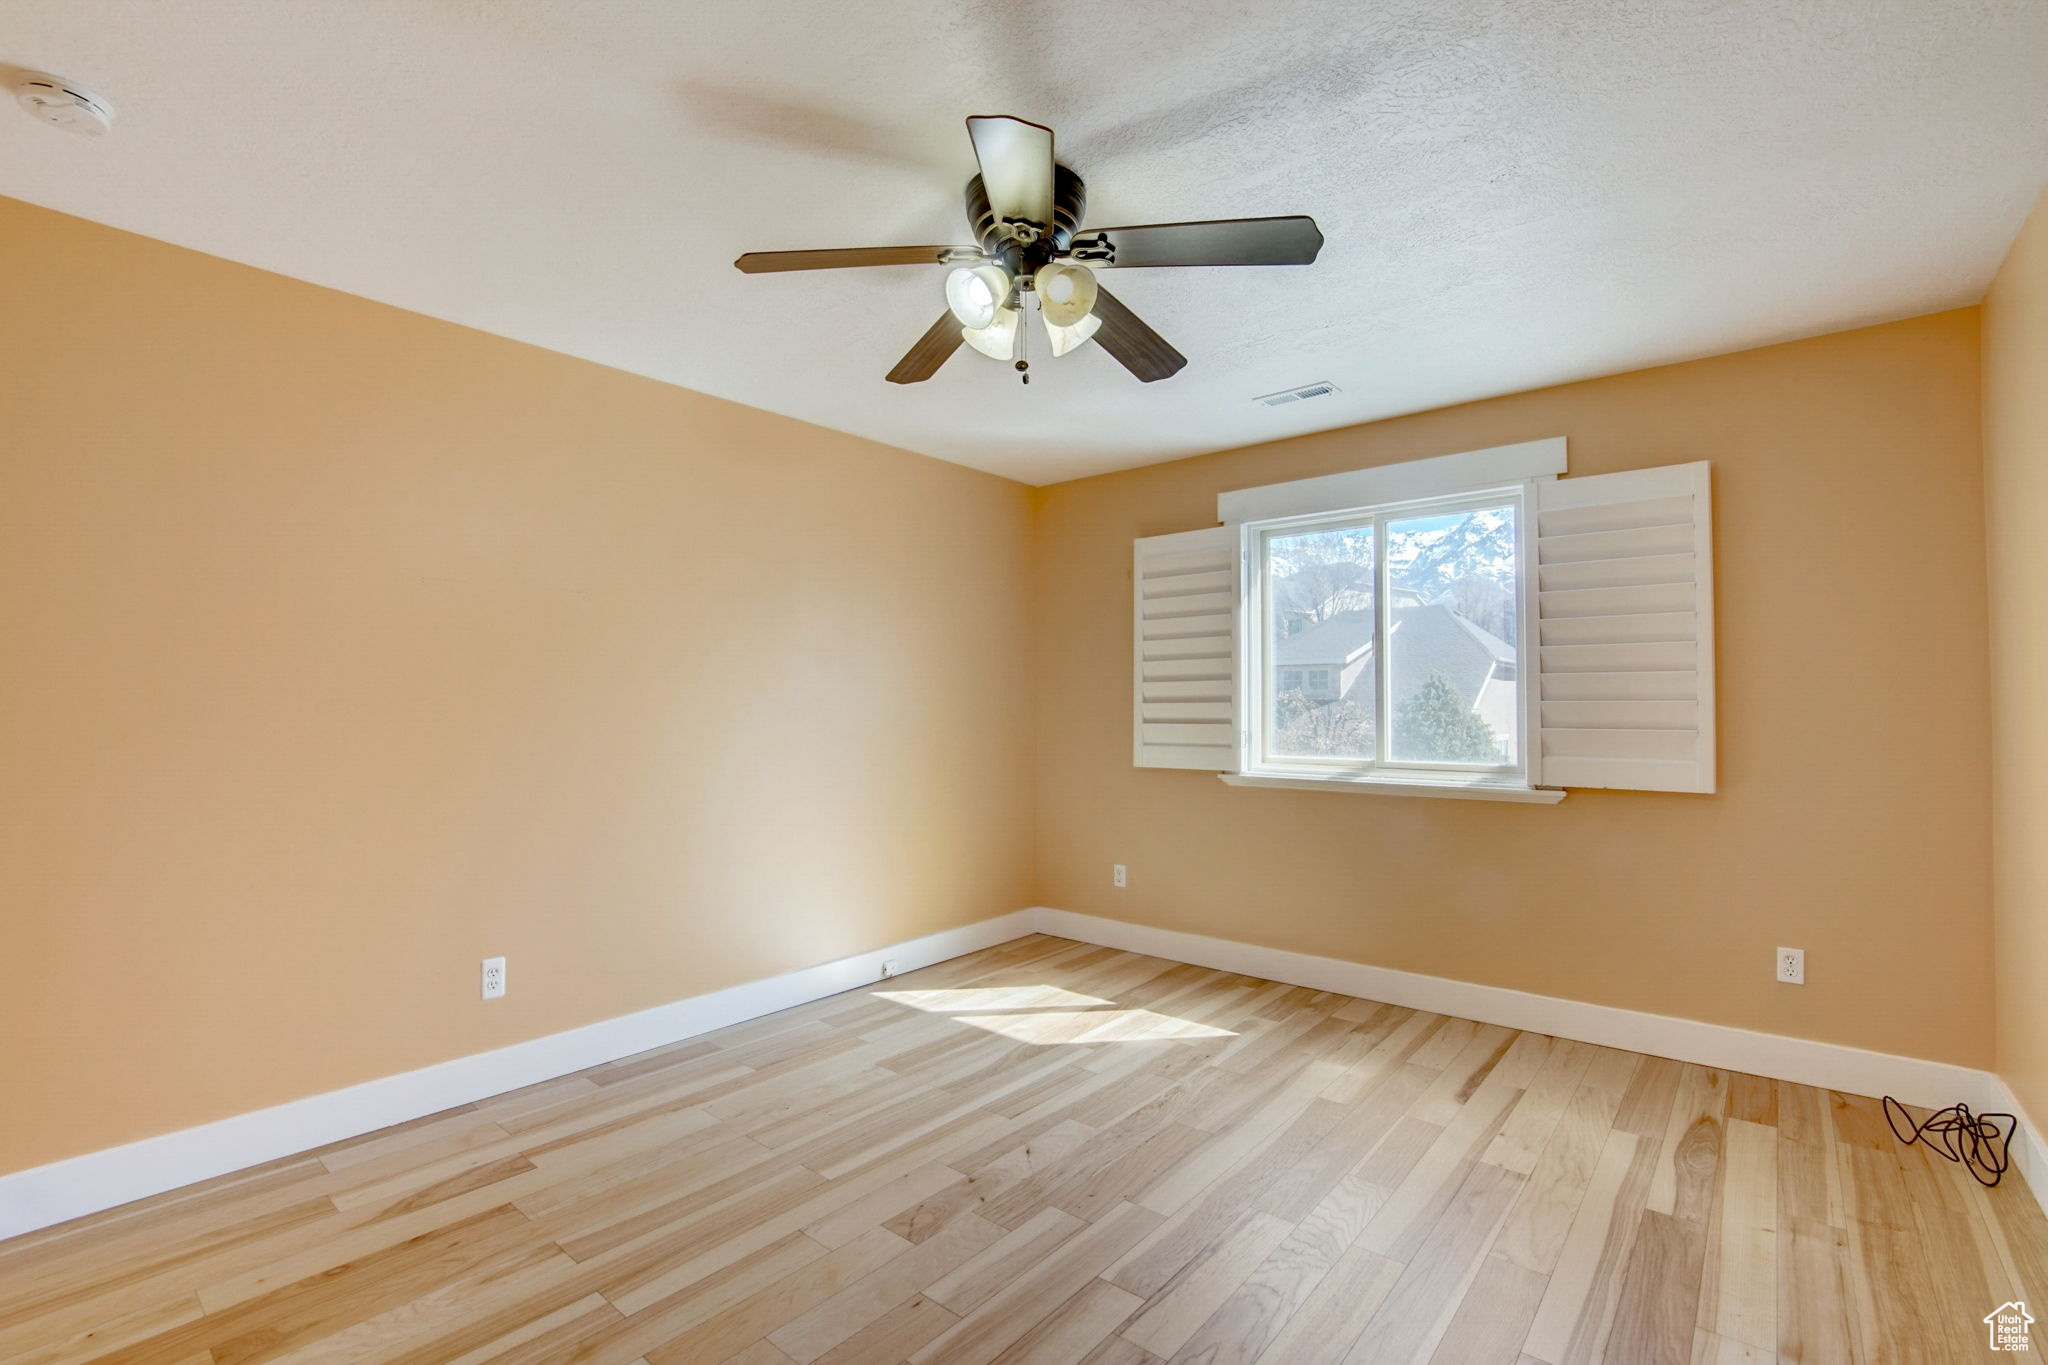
1066	293
975	292
64	104
998	340
1025	210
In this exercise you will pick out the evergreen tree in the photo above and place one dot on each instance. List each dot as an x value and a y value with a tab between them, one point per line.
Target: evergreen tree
1432	724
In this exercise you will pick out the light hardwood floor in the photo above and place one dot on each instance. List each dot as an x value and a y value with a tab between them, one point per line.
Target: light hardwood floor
1054	1152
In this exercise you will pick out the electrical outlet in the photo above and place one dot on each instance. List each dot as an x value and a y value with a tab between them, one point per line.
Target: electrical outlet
1792	966
1116	875
494	977
888	968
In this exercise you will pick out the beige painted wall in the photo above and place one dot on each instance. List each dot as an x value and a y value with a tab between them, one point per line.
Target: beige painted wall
344	647
1851	819
2016	497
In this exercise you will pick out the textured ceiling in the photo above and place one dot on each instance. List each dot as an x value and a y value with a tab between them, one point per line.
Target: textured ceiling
1514	195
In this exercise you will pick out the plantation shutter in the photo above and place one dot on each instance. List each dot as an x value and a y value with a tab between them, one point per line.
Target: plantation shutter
1185	622
1625	621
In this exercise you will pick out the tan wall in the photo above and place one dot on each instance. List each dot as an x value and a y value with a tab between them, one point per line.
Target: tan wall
2016	495
344	647
1851	819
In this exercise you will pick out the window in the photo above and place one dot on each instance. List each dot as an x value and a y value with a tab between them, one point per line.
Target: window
1474	625
1339	685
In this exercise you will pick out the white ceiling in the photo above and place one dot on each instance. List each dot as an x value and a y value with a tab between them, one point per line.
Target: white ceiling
1514	195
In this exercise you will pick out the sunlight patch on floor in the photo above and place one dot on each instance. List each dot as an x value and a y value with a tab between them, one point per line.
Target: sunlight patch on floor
1092	1026
992	998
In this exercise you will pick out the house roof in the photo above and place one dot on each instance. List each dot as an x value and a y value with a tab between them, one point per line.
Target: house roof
1334	642
1433	639
1425	640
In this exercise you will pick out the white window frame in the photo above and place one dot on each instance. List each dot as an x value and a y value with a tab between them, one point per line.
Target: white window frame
1616	687
1256	767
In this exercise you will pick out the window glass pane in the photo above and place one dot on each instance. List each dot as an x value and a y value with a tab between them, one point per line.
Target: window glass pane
1451	638
1320	613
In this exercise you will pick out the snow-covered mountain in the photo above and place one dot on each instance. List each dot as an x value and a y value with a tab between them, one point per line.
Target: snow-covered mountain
1478	544
1465	561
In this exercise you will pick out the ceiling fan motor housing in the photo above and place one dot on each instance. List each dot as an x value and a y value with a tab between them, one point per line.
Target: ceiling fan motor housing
1029	246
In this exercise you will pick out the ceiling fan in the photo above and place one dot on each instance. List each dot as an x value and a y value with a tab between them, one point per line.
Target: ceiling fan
1025	210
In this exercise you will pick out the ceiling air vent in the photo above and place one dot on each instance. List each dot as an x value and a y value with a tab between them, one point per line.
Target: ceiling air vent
1274	400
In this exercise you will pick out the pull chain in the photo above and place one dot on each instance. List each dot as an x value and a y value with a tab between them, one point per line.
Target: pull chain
1023	336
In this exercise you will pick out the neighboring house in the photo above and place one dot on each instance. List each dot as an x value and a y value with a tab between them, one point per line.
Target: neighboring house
1320	592
1488	604
1328	660
1324	592
1480	666
1332	660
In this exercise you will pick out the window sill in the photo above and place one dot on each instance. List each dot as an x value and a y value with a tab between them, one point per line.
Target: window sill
1476	789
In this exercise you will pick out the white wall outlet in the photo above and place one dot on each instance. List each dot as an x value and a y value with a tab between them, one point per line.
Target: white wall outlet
1116	875
888	968
494	977
1792	966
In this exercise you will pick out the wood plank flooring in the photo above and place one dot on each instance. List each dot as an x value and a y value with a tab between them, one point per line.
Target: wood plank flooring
1051	1152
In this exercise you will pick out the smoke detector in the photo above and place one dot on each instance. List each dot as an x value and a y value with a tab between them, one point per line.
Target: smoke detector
58	101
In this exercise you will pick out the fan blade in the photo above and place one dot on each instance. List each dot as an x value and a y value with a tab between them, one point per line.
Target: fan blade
764	262
922	361
1016	167
1224	241
1136	347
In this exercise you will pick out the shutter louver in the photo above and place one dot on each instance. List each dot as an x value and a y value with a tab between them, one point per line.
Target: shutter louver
1625	645
1185	626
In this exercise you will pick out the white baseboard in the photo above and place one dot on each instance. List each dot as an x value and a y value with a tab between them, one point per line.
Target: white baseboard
63	1190
1853	1070
1830	1065
2029	1149
45	1195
